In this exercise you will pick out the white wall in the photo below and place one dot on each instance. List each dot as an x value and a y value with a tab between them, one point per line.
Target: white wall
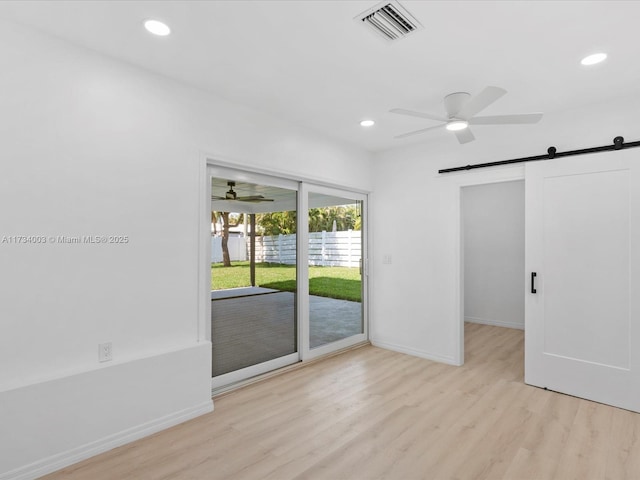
91	146
415	307
493	237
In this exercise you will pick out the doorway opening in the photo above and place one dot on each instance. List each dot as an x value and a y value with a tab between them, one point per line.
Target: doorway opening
493	268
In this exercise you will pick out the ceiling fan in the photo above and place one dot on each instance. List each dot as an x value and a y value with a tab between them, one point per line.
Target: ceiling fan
232	195
461	109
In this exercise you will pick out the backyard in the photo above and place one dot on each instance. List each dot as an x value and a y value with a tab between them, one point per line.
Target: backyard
335	282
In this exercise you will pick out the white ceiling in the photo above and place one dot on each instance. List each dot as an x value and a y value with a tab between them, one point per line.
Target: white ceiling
310	63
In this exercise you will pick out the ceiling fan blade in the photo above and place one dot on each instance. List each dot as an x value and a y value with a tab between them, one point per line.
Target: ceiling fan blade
481	101
216	197
254	198
520	118
411	113
416	132
464	136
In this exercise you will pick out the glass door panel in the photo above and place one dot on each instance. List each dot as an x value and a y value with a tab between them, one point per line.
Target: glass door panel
253	277
335	280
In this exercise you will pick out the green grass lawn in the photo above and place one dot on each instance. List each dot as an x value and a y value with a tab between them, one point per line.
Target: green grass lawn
334	282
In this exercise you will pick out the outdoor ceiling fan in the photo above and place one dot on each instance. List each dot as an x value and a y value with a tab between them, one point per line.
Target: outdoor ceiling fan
232	195
461	108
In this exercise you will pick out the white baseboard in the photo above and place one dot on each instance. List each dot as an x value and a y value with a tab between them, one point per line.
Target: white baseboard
495	323
414	352
75	455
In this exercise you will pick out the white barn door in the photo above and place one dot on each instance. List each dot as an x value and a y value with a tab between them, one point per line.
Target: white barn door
583	244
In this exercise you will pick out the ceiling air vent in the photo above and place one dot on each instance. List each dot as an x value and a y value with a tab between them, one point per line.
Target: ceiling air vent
390	19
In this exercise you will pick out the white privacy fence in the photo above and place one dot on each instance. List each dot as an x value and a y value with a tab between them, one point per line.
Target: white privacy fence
327	249
237	249
335	249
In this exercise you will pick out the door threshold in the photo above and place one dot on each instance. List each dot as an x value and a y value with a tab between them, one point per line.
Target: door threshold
221	391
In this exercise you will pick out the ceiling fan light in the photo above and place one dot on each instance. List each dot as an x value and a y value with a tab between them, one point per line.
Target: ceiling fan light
593	59
157	28
456	125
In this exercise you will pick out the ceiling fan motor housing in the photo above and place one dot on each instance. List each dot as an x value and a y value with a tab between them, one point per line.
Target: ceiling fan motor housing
454	102
230	195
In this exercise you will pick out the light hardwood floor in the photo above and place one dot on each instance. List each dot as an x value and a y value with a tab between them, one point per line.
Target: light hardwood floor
375	414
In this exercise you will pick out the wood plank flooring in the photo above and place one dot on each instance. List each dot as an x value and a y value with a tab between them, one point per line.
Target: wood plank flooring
376	414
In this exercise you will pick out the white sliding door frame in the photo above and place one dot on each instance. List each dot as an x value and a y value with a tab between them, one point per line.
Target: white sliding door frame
242	173
303	274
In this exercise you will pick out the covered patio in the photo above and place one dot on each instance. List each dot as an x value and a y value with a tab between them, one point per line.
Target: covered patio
251	325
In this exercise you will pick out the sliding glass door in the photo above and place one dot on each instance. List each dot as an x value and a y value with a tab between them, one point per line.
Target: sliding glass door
288	277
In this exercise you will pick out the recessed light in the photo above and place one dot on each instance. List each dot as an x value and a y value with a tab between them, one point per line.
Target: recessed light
367	123
593	59
157	28
455	125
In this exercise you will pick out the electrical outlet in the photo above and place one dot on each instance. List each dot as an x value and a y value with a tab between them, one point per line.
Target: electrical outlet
105	352
386	259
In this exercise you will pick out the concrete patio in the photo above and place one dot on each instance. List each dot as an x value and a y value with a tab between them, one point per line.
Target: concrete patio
251	325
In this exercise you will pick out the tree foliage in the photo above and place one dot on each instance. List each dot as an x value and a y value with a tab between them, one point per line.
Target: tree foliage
345	218
276	223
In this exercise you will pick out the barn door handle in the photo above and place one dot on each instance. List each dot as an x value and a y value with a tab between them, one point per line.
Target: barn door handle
533	282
